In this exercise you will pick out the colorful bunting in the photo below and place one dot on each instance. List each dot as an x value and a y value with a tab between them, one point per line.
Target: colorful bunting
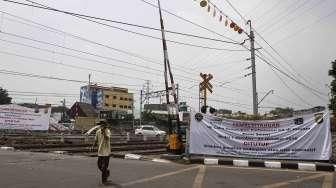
208	4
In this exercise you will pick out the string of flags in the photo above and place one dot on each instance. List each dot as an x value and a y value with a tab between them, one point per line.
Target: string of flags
221	17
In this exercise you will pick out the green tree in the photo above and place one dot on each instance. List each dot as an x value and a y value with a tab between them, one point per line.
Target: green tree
4	99
332	73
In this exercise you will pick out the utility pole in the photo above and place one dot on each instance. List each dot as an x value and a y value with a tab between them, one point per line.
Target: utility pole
140	107
253	66
64	108
147	89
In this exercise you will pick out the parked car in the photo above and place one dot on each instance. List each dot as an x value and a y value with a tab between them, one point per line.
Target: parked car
149	130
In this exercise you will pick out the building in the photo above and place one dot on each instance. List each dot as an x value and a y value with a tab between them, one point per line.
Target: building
110	102
84	114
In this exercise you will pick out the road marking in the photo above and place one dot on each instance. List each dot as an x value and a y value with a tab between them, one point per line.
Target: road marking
158	176
288	182
328	181
199	177
266	169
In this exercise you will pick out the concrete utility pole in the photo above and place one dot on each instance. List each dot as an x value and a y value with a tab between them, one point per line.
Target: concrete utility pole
253	66
140	107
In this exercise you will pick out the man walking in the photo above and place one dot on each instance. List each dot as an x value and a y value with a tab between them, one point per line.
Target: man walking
103	136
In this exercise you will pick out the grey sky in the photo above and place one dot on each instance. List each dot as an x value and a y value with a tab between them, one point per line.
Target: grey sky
298	29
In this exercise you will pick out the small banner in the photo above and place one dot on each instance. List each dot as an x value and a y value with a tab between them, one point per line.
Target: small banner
307	137
18	117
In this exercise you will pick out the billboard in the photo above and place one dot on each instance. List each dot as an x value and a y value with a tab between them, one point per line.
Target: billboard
13	116
306	137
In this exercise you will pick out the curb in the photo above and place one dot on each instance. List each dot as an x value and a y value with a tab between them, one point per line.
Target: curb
265	164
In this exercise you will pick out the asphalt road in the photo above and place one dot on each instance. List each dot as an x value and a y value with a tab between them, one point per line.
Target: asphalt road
42	170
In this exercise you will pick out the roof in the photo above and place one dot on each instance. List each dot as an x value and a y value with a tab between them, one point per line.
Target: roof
116	89
83	109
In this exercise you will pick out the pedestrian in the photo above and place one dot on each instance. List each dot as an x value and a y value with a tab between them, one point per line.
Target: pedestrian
102	139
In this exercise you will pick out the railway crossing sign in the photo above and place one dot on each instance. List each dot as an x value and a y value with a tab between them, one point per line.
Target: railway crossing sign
205	84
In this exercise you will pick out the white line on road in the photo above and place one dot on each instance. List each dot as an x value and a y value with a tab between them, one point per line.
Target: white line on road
158	176
199	177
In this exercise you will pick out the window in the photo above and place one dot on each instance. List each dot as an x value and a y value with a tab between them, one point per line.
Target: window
121	98
129	107
120	106
113	105
125	99
125	107
106	104
147	128
114	97
130	99
107	96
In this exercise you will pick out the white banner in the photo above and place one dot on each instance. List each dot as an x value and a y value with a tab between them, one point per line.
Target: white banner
307	137
13	116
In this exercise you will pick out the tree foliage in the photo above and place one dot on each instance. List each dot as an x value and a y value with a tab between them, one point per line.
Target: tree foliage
332	73
4	98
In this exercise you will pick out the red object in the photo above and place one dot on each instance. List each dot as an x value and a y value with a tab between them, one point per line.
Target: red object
232	24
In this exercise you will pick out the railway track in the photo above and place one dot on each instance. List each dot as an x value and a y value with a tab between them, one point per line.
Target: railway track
80	144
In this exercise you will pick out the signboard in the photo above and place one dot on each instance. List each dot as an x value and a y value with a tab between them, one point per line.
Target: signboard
18	117
306	137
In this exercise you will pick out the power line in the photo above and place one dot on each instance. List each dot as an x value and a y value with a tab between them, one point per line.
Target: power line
189	21
38	76
304	28
286	74
268	10
287	86
51	29
318	3
71	66
92	60
41	93
313	91
41	6
288	10
85	17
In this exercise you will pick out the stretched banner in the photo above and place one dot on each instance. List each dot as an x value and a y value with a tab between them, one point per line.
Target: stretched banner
18	117
306	137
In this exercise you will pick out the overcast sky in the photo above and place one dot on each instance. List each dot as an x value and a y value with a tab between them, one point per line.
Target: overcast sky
301	31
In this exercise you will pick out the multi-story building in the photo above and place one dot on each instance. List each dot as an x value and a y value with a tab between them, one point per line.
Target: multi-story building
109	101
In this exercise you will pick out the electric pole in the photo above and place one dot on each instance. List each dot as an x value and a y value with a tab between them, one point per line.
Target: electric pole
140	107
253	66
